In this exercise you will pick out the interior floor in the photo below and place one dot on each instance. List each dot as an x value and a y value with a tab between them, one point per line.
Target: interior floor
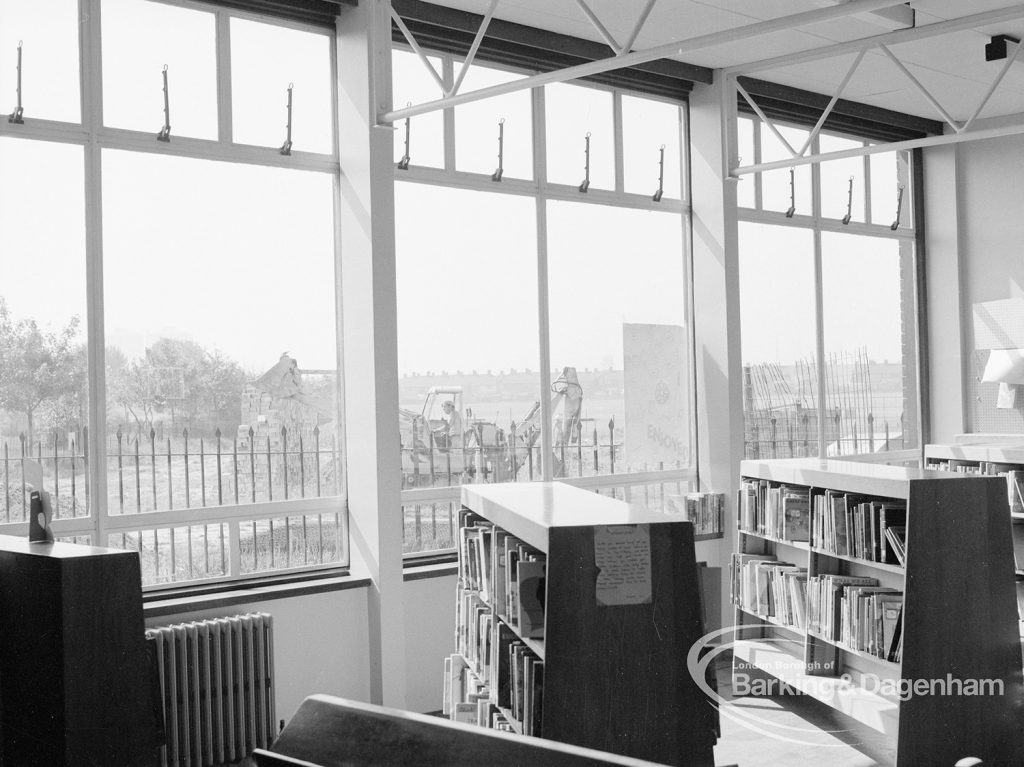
791	731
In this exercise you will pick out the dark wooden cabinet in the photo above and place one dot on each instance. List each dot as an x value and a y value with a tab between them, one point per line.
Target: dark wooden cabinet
615	675
74	676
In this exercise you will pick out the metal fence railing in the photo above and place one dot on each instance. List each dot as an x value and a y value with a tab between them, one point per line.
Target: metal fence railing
795	435
195	506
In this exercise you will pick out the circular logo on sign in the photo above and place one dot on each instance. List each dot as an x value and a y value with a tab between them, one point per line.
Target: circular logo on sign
661	393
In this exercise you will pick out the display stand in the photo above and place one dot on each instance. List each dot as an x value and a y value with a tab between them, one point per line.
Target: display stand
74	676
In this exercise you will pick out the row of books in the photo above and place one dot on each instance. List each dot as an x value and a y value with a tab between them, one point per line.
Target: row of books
517	681
474	624
774	510
1013	472
851	525
507	573
705	510
464	691
764	586
856	612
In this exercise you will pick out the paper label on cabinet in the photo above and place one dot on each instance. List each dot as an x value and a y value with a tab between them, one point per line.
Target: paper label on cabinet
622	554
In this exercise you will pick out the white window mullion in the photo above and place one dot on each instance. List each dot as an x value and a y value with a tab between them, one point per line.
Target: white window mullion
448	76
92	120
819	302
224	107
540	173
618	143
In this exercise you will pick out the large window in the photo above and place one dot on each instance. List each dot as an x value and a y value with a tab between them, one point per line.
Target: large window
192	283
543	322
44	391
827	273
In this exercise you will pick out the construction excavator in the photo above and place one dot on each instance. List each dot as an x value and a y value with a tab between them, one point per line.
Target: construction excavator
484	451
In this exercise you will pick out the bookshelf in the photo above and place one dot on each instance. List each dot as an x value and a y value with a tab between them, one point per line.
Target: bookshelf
995	455
607	665
957	608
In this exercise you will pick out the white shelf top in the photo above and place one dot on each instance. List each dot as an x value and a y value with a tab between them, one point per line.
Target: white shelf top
850	476
529	510
997	453
57	550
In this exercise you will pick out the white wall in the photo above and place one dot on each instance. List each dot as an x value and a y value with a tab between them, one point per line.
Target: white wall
975	252
321	642
429	638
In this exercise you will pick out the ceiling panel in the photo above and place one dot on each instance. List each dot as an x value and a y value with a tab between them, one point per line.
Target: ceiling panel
952	66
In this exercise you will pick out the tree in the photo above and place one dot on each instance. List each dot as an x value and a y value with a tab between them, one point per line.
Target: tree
195	385
40	370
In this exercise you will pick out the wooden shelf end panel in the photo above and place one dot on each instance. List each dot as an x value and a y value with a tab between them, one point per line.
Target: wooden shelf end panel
615	675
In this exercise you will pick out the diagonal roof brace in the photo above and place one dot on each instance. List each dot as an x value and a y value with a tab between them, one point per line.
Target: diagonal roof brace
677	48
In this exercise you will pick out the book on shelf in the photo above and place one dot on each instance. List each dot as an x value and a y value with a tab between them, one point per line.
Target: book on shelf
895	536
895	643
891	615
705	510
850	525
1015	490
537	695
742	590
774	510
824	604
466	711
530	587
796	515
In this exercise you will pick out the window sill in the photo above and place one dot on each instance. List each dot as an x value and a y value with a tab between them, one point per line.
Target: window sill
214	597
159	605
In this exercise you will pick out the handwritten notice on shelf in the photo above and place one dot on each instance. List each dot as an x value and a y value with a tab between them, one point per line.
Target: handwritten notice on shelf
622	554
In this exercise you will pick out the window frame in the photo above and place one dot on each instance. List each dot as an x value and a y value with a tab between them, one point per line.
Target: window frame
629	486
909	232
95	137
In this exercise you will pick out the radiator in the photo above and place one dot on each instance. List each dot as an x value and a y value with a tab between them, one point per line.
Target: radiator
216	686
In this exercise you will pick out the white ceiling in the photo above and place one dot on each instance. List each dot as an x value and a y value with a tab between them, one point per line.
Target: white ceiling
951	66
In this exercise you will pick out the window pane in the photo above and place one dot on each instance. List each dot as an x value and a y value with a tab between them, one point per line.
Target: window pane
476	126
775	184
412	84
647	125
139	40
467	334
618	324
890	170
778	338
43	374
571	112
835	180
48	33
221	362
265	60
870	352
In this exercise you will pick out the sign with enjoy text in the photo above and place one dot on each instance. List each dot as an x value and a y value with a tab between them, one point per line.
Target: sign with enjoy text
656	392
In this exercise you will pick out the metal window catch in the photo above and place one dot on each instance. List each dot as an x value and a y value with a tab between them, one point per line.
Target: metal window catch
286	147
792	194
661	175
16	115
586	179
899	208
496	176
403	163
165	132
849	203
